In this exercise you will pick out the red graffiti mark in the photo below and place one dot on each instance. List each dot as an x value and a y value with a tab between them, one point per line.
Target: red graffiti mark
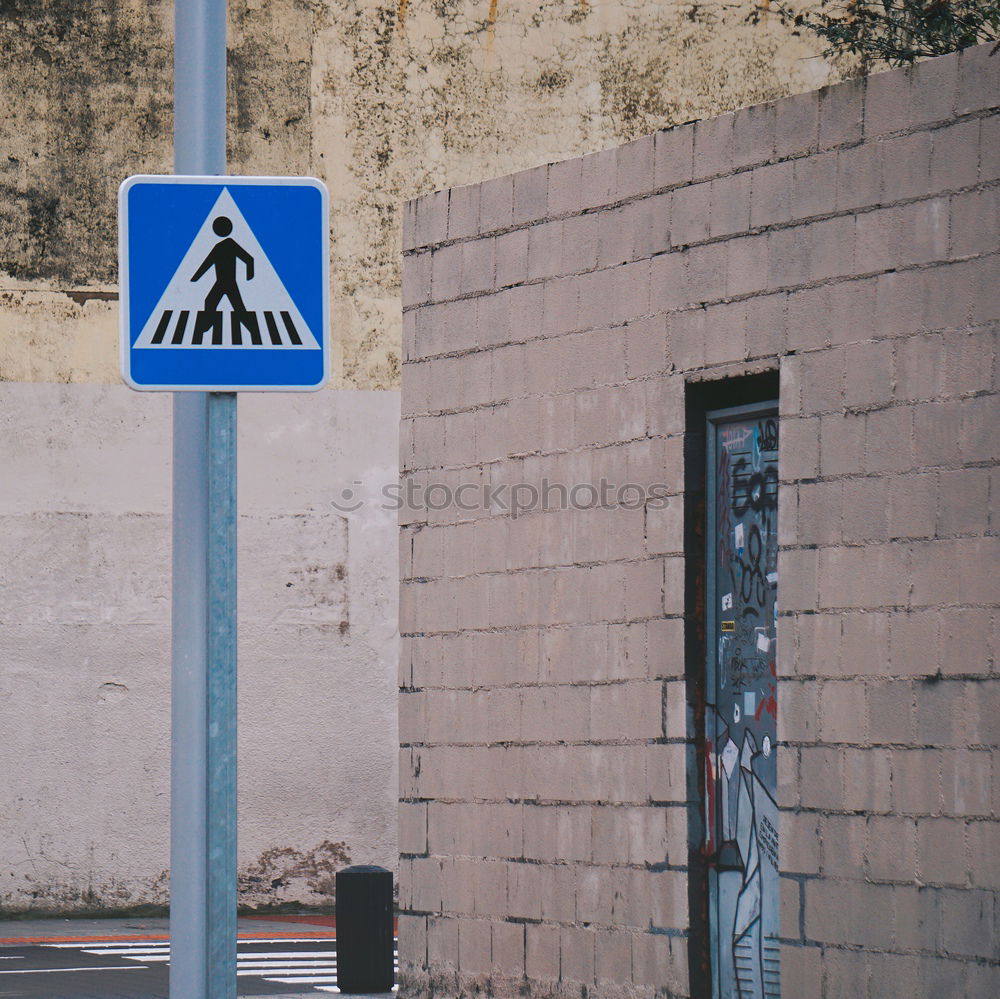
770	706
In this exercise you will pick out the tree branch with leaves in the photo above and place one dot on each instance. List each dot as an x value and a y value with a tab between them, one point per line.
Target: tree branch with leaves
895	32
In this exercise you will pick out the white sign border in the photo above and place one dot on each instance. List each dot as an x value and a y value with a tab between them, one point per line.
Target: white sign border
223	180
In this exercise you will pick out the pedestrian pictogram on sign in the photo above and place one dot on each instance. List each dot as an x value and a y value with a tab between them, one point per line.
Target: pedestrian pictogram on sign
224	283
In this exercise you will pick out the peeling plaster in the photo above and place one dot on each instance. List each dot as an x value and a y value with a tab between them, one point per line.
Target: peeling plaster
284	874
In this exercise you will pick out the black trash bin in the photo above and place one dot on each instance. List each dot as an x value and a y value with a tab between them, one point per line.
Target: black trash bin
364	930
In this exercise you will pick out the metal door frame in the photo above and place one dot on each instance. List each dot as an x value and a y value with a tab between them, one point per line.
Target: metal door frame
713	418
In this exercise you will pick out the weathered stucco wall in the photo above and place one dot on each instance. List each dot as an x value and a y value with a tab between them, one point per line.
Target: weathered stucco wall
568	326
85	635
383	100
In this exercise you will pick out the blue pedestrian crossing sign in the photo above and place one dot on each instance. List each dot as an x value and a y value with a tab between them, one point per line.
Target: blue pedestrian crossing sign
224	283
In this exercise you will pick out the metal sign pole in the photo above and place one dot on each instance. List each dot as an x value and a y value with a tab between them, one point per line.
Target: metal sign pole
203	699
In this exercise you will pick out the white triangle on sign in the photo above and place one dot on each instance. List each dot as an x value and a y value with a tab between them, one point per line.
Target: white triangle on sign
270	317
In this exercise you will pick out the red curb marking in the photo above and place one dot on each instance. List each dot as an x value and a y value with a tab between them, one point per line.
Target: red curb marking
315	920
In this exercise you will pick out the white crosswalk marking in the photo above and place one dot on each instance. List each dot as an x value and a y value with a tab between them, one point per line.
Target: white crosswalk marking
327	974
129	952
145	958
294	953
333	988
58	971
81	944
313	964
304	979
289	964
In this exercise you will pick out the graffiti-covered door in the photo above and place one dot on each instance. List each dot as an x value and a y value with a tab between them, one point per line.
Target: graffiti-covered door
741	810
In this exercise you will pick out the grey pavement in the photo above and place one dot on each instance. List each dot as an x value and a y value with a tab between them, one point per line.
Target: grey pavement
15	931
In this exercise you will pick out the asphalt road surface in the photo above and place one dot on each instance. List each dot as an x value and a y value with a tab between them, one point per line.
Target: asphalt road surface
138	969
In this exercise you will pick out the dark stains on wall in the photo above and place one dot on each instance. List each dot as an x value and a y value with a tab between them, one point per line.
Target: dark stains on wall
550	80
383	98
87	101
673	68
376	115
270	70
42	897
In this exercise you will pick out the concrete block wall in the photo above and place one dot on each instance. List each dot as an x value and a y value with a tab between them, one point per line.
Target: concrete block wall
555	321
